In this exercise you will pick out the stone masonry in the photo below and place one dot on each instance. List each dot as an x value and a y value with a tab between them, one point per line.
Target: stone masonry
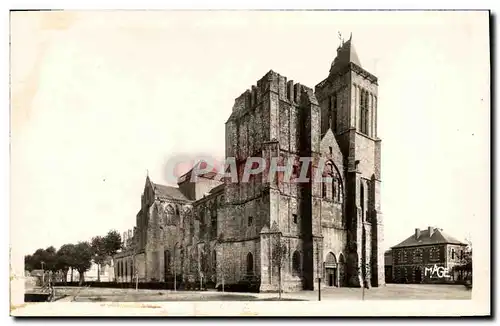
278	234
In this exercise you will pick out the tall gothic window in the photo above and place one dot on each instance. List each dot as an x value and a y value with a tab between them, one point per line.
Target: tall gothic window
333	107
363	112
213	223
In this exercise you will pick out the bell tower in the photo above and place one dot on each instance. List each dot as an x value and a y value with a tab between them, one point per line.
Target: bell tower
348	98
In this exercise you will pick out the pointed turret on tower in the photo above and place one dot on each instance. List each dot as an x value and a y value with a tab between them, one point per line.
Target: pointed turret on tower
346	53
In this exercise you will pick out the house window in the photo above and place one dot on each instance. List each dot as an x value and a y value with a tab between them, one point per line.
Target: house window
331	150
323	192
461	254
295	218
452	253
250	220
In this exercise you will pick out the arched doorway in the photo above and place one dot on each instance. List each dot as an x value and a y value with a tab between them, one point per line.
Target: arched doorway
331	270
249	264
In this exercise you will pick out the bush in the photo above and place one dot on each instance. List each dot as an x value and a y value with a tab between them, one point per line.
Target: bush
247	284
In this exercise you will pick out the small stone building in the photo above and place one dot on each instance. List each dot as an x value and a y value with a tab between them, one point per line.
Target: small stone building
427	256
234	231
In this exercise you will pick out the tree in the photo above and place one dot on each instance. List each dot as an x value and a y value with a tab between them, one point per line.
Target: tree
98	253
83	259
464	267
279	251
65	259
29	263
112	243
50	258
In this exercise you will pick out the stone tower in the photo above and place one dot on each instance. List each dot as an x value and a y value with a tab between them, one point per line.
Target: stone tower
276	119
348	101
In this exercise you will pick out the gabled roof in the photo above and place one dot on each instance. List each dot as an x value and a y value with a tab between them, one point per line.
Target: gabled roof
168	192
437	237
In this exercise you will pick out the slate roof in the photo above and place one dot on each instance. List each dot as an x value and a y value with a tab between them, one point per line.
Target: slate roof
437	237
168	192
345	55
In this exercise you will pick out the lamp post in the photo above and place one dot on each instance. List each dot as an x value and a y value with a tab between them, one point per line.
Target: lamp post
318	274
280	258
175	268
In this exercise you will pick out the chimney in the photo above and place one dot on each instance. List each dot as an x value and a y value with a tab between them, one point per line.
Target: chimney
431	231
417	234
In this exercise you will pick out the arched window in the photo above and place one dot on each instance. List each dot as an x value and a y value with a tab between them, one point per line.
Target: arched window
296	263
213	223
249	263
334	188
170	214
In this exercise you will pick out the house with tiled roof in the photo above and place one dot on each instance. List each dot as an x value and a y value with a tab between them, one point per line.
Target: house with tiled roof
427	256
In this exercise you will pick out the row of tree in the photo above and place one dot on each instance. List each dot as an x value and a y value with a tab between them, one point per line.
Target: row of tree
77	257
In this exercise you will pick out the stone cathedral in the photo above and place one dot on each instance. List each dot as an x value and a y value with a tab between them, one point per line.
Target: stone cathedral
276	234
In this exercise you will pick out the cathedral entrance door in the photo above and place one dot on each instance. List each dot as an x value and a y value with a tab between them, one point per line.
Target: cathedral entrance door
331	269
331	276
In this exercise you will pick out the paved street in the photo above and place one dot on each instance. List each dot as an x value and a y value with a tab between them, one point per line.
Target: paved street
388	292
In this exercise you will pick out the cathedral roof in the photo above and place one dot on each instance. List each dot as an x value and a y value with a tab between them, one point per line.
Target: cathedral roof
431	236
168	192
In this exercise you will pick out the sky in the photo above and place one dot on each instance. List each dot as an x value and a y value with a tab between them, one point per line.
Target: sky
101	99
